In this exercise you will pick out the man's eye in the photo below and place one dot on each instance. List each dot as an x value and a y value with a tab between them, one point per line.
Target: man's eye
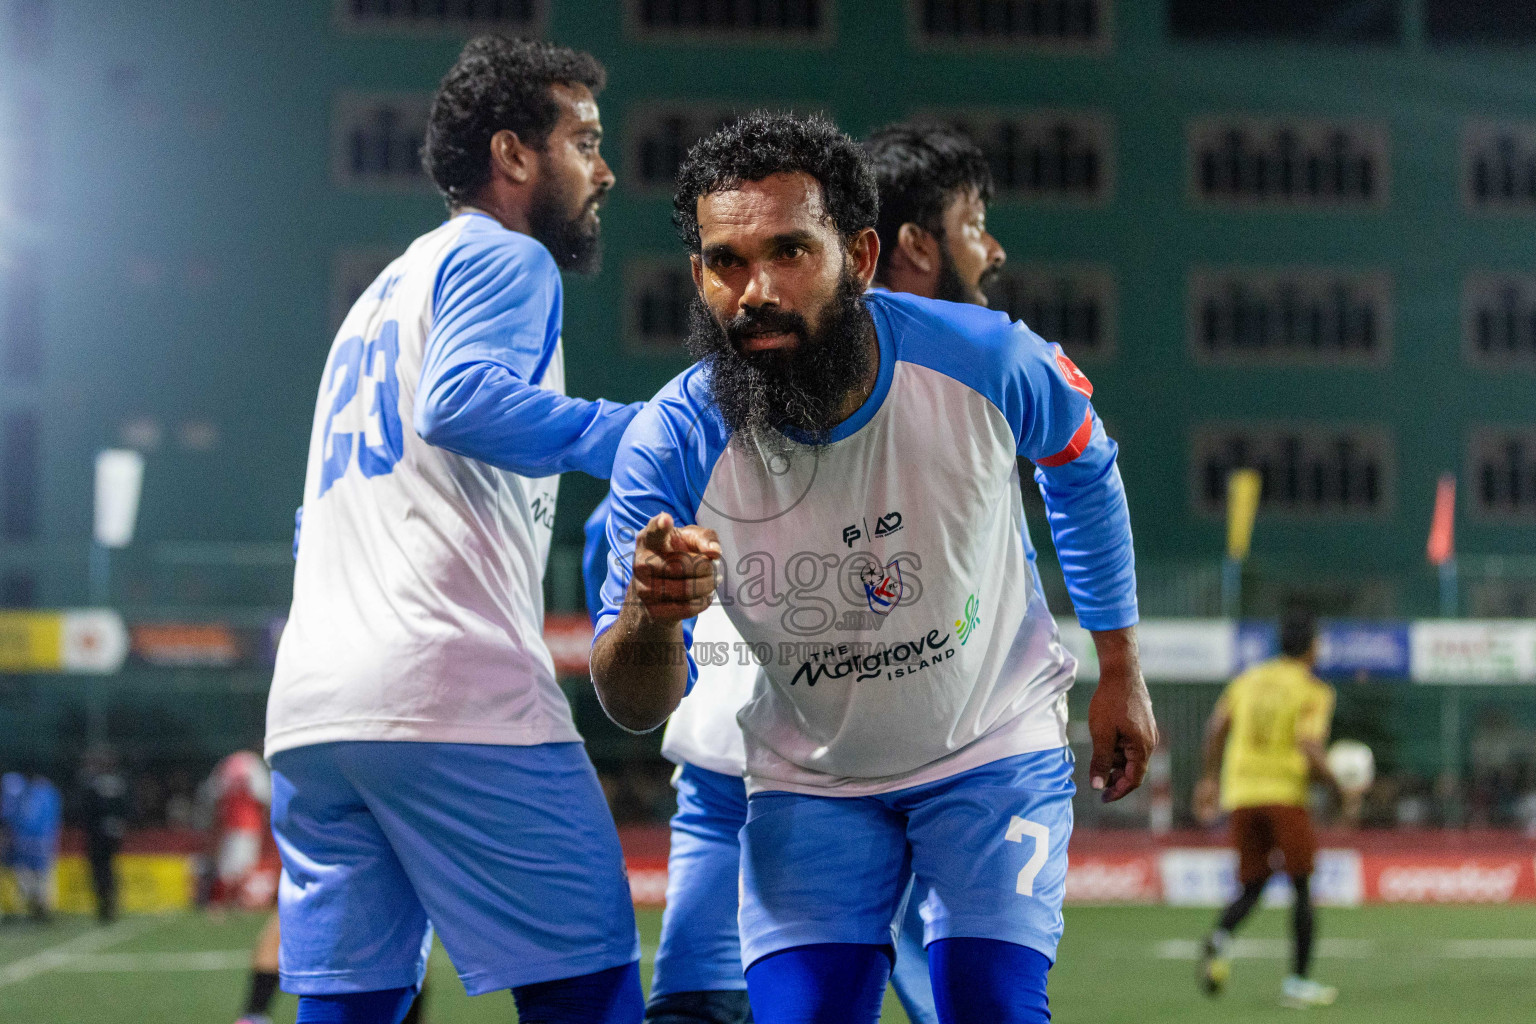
790	252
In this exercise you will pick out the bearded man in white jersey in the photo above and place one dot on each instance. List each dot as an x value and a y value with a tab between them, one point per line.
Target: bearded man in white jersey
426	771
934	186
910	719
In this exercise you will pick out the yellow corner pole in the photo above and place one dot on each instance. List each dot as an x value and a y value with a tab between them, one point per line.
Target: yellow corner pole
1243	489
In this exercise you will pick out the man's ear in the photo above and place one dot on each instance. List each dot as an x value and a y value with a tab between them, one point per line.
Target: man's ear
917	247
511	159
696	265
864	251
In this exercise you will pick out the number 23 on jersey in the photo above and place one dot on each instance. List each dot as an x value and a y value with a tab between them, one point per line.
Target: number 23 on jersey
364	407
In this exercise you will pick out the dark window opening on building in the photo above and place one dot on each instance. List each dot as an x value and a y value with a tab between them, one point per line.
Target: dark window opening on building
443	13
1307	471
661	138
19	484
1500	319
21	333
1044	156
1289	164
1504	472
780	17
1296	317
18	590
1044	21
1495	22
1323	21
1499	166
658	304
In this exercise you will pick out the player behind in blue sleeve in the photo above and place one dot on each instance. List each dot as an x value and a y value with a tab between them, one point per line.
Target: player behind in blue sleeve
842	468
427	774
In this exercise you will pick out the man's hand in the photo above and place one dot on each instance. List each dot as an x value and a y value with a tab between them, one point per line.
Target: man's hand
1119	717
639	666
674	570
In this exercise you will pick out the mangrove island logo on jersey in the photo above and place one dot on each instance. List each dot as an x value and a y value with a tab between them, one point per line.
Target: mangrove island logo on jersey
867	661
967	623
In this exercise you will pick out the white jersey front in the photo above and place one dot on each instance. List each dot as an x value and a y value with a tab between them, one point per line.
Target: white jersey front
884	577
418	591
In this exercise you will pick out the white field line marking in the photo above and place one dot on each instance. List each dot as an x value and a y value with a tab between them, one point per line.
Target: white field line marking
137	963
78	961
1490	949
55	956
1265	949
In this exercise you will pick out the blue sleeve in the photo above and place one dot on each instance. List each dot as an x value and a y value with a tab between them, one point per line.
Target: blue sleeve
662	466
594	556
1047	400
1091	527
496	309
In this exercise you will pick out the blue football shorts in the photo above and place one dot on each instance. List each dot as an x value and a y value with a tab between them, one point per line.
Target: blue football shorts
989	845
510	853
700	948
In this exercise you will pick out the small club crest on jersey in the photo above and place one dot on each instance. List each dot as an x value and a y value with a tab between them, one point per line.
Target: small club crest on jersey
1076	379
882	586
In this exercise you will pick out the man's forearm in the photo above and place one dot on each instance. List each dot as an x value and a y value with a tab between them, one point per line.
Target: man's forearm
640	670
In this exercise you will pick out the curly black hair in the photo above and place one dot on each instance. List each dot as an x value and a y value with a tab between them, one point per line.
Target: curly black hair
920	166
763	143
497	83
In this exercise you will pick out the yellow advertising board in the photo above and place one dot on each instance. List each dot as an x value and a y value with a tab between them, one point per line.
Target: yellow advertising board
31	642
147	883
89	640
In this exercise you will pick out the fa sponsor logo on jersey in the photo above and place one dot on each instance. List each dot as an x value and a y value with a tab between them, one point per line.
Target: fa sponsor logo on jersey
884	526
882	586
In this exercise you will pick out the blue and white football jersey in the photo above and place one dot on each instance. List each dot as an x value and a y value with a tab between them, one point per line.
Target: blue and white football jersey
429	503
883	578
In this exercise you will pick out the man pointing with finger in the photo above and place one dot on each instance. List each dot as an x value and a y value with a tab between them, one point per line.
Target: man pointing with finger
840	471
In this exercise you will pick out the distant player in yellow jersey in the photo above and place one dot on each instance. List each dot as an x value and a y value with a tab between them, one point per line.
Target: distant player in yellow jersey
1266	738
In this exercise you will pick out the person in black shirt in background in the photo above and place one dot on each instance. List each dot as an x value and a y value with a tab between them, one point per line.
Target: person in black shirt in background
104	812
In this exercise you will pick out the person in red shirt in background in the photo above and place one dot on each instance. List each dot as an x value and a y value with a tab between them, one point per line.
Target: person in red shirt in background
243	868
244	859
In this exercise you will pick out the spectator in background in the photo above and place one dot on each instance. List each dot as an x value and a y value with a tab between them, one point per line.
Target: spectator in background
240	791
104	804
34	844
12	786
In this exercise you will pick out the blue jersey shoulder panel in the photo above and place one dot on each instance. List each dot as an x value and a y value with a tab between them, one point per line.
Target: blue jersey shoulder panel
499	298
496	313
1002	360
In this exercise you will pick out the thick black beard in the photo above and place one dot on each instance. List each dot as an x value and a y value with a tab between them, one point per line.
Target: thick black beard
760	394
952	288
576	243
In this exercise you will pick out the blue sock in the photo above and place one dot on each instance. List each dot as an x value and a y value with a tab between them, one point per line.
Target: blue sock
607	997
383	1007
988	981
826	983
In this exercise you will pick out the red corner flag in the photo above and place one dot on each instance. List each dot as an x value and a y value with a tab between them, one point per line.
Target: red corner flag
1442	531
